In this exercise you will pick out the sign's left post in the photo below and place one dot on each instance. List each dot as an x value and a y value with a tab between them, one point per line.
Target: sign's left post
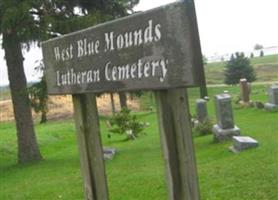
90	146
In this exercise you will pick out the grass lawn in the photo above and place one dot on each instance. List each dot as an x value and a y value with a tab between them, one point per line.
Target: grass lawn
137	171
265	67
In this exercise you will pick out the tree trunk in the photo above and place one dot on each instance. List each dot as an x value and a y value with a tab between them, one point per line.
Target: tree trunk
28	149
112	103
43	118
123	100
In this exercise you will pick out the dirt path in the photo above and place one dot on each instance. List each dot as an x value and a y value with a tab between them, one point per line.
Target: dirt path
60	107
5	102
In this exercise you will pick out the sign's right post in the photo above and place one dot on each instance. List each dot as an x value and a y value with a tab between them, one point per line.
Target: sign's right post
176	140
175	128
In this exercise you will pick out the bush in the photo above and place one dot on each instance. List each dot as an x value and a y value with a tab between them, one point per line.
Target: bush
204	128
125	123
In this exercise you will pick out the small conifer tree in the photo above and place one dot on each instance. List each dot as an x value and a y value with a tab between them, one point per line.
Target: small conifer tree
238	67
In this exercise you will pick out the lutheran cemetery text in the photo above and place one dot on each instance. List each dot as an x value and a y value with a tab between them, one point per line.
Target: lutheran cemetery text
153	50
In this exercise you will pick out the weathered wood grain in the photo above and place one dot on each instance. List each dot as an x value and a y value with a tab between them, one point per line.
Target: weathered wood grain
177	145
169	55
90	147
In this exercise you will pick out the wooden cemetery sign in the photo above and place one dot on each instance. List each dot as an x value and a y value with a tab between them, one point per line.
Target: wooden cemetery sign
156	50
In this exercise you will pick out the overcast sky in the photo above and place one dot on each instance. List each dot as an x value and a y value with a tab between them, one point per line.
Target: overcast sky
225	26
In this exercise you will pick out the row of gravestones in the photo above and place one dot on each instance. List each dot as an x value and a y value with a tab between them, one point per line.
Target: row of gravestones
245	90
225	128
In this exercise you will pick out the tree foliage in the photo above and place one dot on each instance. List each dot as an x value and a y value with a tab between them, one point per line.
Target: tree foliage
33	20
239	67
258	47
23	22
38	95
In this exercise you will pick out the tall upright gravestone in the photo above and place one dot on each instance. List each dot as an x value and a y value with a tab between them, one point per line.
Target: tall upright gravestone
273	98
225	128
158	50
201	110
245	90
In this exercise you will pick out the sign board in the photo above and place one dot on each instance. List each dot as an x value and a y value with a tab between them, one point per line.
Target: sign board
157	49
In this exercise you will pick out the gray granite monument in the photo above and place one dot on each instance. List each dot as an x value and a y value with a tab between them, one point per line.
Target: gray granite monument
225	128
241	143
273	98
201	110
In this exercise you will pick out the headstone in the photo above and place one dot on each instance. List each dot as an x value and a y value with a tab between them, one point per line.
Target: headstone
244	90
109	153
241	143
273	98
201	110
225	127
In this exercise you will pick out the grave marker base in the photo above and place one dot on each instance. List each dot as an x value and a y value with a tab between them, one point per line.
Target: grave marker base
270	107
224	134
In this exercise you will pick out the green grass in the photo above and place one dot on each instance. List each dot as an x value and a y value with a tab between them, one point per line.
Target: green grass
137	171
265	67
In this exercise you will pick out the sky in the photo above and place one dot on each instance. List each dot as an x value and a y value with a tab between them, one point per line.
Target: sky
225	26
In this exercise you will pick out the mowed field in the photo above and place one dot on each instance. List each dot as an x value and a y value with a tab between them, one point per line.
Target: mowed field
265	67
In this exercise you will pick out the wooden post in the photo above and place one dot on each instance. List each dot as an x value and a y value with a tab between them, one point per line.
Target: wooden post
90	147
176	140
